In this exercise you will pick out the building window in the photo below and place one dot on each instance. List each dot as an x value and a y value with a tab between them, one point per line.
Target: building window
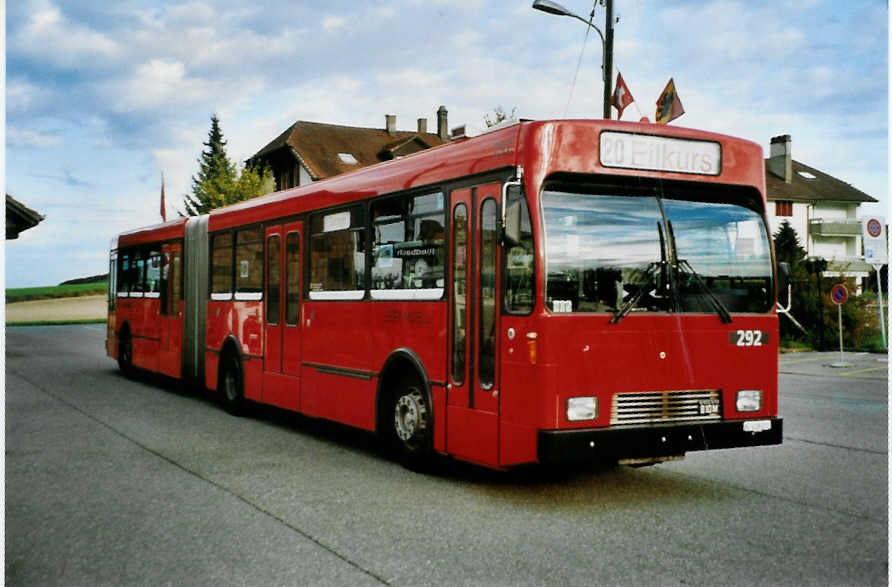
783	208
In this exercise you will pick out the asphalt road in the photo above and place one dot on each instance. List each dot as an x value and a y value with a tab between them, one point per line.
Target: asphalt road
116	481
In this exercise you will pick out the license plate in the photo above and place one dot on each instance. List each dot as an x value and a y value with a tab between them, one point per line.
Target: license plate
709	407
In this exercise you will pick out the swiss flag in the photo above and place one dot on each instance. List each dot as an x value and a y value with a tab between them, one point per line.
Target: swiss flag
622	97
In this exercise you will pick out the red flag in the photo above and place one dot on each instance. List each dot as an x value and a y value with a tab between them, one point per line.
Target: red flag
622	97
668	105
163	207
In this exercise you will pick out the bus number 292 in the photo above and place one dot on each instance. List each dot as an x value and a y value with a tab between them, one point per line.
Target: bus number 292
748	338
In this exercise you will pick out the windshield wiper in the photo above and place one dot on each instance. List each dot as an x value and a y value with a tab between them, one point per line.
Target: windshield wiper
643	287
716	303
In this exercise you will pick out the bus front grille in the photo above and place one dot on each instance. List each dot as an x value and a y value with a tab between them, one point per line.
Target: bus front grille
657	407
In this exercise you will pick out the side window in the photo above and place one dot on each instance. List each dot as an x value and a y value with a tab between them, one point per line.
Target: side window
459	295
165	284
176	283
138	278
337	255
520	261
153	274
249	264
487	292
112	281
273	282
409	247
292	278
221	266
125	262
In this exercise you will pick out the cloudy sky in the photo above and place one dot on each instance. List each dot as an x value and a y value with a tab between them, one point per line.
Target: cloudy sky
101	97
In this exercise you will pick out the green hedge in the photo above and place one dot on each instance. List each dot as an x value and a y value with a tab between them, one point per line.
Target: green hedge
27	294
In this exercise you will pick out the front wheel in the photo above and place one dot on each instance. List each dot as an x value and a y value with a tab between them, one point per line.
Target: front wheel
412	424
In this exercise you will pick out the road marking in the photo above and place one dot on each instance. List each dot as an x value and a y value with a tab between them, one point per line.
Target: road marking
846	373
811	360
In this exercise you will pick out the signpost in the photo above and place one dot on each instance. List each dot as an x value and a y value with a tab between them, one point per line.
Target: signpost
873	232
838	295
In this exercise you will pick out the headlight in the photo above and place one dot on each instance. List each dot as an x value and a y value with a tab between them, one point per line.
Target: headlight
582	408
749	400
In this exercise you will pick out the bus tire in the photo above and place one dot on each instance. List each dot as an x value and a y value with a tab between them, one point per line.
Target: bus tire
411	424
231	386
125	353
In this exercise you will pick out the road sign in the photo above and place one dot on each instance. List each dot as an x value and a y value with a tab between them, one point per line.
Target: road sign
839	294
873	232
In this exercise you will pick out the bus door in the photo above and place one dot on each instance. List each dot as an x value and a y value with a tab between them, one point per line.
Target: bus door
170	355
472	419
282	329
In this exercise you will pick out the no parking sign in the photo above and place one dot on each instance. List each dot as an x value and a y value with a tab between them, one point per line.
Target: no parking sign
839	294
873	232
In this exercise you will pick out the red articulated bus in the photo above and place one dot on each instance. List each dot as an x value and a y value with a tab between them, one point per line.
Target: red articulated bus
548	291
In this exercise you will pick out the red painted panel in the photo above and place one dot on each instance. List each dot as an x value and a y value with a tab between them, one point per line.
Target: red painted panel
363	335
348	400
472	435
584	355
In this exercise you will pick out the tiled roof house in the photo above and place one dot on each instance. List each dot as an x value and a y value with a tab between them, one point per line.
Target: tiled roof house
310	151
824	210
19	218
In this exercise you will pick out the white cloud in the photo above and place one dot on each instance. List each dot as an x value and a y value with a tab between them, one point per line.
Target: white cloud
26	137
332	23
49	35
158	83
21	95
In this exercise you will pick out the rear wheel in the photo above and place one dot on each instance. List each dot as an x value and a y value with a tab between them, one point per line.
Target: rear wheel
412	424
125	354
230	386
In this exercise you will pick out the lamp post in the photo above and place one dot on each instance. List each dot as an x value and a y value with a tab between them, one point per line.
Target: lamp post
606	40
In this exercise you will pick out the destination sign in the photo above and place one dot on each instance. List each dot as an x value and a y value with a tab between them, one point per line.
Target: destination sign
655	153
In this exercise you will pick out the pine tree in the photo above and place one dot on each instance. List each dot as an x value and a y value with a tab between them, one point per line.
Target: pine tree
786	245
214	186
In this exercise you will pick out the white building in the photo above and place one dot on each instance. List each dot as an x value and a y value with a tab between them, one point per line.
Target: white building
823	210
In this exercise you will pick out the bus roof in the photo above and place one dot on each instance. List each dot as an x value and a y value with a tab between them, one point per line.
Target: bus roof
540	147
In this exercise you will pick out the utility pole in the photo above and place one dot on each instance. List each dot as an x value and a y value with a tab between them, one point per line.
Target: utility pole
608	56
606	41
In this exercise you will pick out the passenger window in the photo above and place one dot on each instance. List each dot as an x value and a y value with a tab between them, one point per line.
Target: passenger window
520	261
409	247
249	264
221	262
337	255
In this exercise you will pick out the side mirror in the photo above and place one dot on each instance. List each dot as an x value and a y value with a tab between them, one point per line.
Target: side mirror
783	278
511	235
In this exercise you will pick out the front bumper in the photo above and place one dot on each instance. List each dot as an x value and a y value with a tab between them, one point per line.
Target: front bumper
643	442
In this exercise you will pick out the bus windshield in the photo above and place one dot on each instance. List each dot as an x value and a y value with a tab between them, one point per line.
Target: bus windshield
612	253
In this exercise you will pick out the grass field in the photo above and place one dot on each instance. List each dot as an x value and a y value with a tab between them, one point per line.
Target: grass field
27	294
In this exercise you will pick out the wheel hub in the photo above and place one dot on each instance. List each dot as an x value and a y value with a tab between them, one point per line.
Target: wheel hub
410	415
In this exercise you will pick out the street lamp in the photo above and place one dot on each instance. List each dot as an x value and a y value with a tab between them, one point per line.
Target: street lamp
606	42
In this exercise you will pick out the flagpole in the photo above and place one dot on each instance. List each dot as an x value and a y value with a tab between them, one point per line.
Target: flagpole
608	56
